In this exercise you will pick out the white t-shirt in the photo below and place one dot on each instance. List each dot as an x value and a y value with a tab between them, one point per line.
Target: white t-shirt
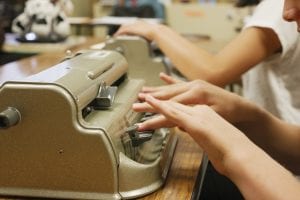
274	83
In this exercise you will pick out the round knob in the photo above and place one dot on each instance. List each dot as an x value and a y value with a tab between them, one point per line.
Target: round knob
9	117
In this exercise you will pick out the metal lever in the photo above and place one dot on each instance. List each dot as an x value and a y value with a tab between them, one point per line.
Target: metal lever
105	97
147	116
138	137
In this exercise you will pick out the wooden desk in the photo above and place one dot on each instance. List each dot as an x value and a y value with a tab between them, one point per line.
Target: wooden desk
184	169
35	64
11	45
187	158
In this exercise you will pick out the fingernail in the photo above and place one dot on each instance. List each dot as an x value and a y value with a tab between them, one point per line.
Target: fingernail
141	95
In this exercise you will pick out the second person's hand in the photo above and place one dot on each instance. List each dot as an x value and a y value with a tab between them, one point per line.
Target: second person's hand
140	28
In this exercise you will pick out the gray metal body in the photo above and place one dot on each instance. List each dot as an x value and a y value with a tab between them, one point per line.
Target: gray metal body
52	150
143	62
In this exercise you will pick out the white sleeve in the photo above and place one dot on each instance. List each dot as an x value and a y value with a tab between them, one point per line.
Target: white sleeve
268	14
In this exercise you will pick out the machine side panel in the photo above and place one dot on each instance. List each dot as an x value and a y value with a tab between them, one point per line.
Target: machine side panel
48	150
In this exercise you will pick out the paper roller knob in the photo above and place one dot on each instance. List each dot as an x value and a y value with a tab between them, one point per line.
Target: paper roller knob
9	117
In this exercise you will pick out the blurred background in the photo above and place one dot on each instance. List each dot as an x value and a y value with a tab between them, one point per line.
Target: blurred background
216	19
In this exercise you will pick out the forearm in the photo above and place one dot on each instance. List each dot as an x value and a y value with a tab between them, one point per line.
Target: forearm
192	61
281	140
258	176
222	68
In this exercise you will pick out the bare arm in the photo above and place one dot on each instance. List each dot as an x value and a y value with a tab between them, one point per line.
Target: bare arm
249	48
280	139
256	174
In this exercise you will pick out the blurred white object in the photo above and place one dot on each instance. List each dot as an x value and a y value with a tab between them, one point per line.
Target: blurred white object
44	18
66	5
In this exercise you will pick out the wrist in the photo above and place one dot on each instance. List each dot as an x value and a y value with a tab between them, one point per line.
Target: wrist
254	120
237	156
156	32
152	34
229	158
249	112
